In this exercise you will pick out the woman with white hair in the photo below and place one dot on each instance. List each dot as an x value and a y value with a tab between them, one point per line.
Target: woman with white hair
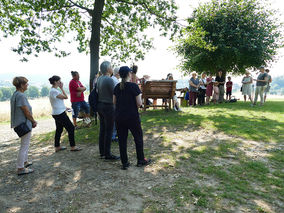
246	87
193	89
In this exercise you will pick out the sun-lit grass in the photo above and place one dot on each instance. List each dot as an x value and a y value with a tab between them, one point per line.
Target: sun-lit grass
240	119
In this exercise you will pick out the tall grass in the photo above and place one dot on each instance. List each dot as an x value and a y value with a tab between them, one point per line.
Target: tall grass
40	106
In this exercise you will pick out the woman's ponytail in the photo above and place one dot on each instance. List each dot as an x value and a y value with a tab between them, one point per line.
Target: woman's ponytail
122	83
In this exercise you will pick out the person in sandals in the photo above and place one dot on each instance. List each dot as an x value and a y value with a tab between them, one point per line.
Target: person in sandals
21	112
56	98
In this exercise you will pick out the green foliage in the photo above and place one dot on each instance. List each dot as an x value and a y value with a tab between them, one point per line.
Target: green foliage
232	35
42	24
1	95
33	92
44	91
6	93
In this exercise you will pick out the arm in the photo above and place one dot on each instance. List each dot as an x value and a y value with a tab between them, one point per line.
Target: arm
63	95
28	115
114	99
139	100
81	89
192	84
265	80
250	80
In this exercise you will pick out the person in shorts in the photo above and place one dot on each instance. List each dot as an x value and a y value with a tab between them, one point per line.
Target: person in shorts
77	89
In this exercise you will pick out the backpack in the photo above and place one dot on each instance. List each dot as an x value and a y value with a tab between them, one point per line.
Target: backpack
94	99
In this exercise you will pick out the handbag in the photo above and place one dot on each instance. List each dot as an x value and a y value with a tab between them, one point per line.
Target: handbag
241	88
23	128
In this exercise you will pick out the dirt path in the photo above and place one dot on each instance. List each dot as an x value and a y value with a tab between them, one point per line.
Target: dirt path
82	182
8	134
69	182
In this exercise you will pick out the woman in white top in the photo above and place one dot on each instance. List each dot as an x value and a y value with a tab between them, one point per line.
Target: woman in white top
56	98
246	87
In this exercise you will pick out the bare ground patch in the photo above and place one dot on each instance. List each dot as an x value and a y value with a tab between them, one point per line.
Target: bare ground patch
182	178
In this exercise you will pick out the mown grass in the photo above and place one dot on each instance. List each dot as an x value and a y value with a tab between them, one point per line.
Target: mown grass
239	119
213	175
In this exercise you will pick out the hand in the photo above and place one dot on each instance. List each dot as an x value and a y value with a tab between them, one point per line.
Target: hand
34	124
61	85
254	79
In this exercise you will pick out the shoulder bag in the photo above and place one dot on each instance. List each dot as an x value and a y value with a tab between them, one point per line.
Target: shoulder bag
23	128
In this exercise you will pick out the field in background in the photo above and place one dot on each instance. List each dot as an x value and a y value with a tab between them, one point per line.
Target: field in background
41	109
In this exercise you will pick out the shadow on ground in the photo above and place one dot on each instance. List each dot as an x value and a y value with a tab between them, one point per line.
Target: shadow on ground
194	169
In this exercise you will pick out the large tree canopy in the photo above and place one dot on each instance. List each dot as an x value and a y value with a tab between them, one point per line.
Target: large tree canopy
116	28
233	35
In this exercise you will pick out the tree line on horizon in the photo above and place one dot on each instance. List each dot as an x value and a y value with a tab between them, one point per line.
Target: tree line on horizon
32	92
6	92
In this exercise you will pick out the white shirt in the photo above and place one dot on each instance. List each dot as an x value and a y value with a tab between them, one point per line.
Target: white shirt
115	80
202	86
57	104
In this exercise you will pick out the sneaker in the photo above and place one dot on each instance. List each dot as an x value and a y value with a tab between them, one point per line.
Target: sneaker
125	166
112	157
144	162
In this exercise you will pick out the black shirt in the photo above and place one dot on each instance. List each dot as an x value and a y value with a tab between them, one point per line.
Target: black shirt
220	79
126	106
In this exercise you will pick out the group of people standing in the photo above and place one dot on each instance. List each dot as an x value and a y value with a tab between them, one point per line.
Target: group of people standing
262	86
209	88
118	104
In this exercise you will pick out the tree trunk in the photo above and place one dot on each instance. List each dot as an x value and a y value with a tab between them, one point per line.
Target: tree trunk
95	40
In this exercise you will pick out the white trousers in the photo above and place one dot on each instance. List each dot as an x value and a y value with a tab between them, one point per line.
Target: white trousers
24	149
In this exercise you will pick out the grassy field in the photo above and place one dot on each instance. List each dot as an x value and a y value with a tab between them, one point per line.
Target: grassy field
224	158
41	109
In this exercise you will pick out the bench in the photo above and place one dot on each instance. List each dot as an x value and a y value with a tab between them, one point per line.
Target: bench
163	89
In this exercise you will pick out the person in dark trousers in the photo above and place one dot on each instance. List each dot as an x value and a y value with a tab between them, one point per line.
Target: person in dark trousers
105	86
127	100
56	98
202	90
221	81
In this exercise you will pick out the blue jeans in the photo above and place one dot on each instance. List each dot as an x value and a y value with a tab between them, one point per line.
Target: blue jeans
114	133
76	106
